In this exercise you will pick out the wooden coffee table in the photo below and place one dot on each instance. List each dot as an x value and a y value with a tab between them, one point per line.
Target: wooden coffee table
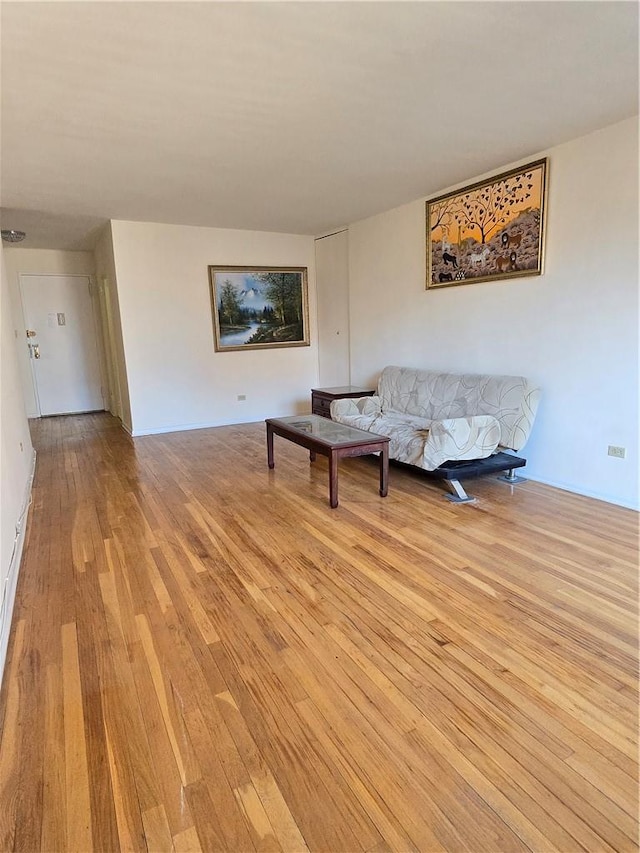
331	439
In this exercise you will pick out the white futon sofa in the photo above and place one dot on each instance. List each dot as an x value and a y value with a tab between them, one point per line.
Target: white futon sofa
454	425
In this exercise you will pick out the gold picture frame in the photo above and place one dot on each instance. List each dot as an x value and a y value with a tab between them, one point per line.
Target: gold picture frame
490	230
259	307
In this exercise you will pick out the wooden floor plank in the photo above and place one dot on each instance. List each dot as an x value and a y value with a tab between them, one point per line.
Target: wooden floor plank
204	656
77	788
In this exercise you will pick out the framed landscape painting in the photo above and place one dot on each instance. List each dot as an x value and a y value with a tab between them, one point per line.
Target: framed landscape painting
488	231
259	307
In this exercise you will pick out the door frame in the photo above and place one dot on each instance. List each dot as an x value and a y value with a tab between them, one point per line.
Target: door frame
109	339
97	324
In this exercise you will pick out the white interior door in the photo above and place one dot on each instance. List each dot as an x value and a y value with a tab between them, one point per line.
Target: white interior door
332	288
58	310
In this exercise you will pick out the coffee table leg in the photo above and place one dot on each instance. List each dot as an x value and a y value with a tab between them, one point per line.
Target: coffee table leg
333	479
384	470
270	461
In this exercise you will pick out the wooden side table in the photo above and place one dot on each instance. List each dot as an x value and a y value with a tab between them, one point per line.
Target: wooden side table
321	397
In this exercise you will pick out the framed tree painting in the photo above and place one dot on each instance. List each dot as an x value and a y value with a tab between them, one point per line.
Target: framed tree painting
259	307
488	231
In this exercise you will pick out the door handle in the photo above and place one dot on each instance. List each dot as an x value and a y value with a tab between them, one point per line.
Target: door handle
35	350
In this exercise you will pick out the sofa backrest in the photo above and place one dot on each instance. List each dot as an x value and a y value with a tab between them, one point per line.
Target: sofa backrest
512	400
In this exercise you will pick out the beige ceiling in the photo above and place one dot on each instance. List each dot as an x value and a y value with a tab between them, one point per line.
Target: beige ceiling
288	116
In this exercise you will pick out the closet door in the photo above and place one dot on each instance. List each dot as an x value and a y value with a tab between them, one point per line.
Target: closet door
332	285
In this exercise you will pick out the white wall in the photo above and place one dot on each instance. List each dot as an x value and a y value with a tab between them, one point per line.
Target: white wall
574	330
41	262
176	379
332	278
16	462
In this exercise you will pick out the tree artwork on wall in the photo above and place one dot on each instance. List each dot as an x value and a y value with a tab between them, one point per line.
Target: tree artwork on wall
491	230
259	307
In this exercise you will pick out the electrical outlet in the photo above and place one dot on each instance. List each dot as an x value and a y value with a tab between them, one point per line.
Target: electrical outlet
618	452
242	397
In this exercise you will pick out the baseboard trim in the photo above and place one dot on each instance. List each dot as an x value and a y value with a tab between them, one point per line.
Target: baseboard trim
185	427
11	581
585	493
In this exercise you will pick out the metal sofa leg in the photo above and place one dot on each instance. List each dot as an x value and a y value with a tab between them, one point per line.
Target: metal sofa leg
511	477
459	496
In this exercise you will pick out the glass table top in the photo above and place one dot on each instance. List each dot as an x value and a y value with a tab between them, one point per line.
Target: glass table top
324	429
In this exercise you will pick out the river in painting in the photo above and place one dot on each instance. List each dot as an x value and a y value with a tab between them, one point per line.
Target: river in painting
237	337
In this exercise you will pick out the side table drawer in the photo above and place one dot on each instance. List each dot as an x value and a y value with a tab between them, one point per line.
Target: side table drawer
321	406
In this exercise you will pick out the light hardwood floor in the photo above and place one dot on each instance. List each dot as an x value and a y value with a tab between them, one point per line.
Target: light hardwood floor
205	656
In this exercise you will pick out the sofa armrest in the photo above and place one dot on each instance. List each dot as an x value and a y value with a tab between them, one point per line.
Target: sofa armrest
353	407
474	437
